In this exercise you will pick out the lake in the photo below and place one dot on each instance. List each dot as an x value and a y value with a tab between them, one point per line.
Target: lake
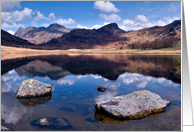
74	80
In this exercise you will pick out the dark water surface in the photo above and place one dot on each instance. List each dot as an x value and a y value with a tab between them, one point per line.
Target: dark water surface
74	81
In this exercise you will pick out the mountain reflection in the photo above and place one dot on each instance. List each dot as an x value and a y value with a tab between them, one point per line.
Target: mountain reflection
106	66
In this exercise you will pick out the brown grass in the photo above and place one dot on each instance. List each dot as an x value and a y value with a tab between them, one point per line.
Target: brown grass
13	52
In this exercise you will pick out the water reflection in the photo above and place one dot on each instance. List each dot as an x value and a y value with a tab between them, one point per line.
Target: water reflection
104	118
107	66
74	81
34	101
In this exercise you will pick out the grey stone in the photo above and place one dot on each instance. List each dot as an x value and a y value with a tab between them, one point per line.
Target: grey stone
44	122
33	88
136	105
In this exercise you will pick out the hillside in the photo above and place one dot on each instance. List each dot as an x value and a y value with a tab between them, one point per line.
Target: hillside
9	40
38	35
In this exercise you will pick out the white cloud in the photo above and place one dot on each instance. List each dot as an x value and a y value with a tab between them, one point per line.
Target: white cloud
141	19
111	17
65	22
10	26
80	26
172	8
93	27
52	16
8	6
170	19
96	26
34	23
45	25
140	22
106	6
11	32
11	17
40	16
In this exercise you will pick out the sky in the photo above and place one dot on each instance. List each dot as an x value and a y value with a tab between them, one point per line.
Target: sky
129	15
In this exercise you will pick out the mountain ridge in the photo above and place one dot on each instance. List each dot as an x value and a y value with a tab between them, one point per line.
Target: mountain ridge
111	36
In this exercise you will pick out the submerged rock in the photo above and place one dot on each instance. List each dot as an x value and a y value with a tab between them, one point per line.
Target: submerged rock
136	105
44	122
101	88
32	88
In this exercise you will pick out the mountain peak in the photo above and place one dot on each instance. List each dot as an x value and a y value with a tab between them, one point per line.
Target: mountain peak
112	26
110	29
55	25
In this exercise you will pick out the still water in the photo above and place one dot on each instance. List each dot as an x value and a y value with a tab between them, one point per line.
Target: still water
74	81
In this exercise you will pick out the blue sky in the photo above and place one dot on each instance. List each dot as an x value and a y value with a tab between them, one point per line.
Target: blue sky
129	15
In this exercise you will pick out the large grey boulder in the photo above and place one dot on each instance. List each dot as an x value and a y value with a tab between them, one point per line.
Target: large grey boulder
33	88
136	105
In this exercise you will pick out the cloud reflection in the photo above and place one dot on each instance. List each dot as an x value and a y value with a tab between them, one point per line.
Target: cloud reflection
105	96
9	83
112	85
141	81
65	81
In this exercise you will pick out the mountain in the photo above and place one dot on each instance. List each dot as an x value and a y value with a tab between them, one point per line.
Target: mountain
111	36
10	40
85	38
38	35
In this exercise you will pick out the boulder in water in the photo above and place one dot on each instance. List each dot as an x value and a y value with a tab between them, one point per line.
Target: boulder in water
33	88
136	105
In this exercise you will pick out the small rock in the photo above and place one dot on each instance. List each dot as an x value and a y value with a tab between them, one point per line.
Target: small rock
57	123
4	128
136	105
33	88
101	88
44	122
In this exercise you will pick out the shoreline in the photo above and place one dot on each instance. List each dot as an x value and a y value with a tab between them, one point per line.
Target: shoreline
13	52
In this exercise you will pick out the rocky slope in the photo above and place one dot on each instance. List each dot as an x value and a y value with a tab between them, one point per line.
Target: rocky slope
38	35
